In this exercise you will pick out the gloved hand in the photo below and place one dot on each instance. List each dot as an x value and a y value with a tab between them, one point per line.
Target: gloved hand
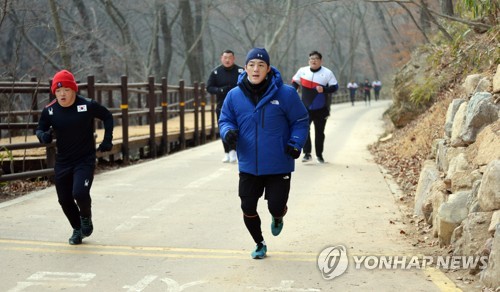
293	149
105	146
225	89
44	137
231	138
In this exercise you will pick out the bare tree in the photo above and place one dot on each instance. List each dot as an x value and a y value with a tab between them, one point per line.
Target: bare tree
192	31
369	50
92	48
131	58
63	48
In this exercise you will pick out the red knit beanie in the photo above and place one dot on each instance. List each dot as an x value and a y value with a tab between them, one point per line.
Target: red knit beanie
63	78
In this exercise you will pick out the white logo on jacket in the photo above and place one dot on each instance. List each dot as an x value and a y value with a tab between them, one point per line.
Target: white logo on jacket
275	101
51	111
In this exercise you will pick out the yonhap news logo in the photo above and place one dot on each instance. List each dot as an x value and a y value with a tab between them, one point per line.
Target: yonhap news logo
333	262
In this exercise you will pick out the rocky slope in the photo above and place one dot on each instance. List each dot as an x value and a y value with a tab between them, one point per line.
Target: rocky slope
428	94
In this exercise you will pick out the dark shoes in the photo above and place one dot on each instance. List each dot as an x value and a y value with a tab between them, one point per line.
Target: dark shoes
87	226
276	226
85	231
76	238
307	157
320	159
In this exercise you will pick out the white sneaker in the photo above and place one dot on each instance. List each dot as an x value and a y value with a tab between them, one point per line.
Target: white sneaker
226	158
232	156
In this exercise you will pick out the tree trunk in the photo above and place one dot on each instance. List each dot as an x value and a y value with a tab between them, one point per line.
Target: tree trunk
61	43
131	59
447	7
369	49
385	27
166	29
425	21
192	32
93	48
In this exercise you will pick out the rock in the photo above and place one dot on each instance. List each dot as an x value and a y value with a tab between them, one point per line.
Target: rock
474	234
483	85
491	276
481	111
428	175
458	124
470	83
487	145
495	222
450	214
441	149
496	80
489	191
450	115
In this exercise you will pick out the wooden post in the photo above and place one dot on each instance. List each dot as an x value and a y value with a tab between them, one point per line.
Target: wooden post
91	95
110	99
91	87
139	106
152	116
196	106
182	106
164	116
203	122
212	114
124	108
34	102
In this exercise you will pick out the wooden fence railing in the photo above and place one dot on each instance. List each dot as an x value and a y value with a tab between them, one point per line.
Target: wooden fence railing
145	109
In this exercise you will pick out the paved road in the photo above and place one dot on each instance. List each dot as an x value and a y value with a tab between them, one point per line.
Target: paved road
174	224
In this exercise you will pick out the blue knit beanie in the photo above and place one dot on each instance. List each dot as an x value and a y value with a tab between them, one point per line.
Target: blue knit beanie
258	53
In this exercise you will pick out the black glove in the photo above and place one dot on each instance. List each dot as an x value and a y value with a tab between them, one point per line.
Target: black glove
292	151
105	146
231	138
44	137
225	89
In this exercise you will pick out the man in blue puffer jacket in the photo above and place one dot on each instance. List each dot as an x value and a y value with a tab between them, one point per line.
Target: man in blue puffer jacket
268	123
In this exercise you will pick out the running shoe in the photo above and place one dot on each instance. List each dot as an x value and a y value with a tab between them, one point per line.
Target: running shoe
76	238
320	159
307	157
260	251
232	156
226	158
276	226
87	227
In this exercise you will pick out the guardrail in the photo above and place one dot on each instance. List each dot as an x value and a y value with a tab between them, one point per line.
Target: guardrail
164	104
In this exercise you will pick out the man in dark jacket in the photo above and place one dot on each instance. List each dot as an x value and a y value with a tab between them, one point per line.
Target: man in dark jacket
71	118
222	79
268	123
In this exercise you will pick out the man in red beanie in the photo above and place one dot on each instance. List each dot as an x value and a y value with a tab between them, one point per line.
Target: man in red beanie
71	118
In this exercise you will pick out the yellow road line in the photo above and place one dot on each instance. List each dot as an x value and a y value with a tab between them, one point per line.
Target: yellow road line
439	279
435	275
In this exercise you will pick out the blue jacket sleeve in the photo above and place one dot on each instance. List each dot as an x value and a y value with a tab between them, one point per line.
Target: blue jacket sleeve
227	120
298	120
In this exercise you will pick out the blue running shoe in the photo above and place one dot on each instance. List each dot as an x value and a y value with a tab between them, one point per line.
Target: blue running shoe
260	251
276	226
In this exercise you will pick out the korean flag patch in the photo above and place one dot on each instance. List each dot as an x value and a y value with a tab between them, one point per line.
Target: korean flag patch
81	108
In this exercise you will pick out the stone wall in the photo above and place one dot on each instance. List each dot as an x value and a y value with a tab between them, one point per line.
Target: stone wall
458	192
